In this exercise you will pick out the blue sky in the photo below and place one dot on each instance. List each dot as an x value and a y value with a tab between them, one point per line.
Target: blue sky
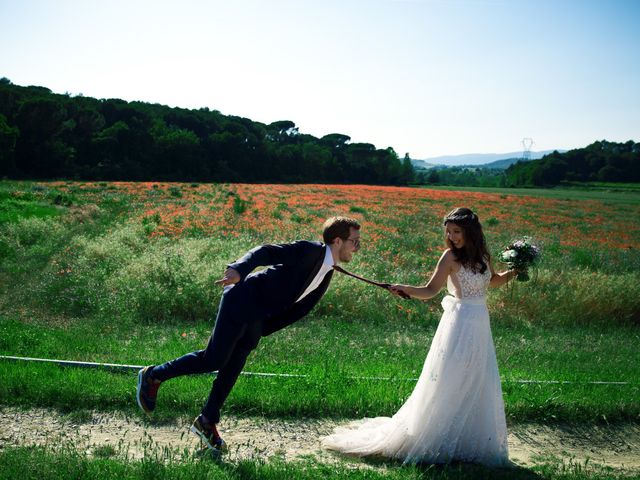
428	77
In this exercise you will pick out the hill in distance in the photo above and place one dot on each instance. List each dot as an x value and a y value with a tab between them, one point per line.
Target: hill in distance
484	160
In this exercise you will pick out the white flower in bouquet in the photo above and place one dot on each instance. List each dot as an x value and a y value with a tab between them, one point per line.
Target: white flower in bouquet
508	255
521	255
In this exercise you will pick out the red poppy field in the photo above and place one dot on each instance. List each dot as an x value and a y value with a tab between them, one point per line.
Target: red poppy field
284	212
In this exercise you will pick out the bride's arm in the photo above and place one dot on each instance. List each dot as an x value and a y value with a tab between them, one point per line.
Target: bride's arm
498	279
435	284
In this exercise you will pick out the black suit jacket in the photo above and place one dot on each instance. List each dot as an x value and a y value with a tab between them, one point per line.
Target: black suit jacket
291	267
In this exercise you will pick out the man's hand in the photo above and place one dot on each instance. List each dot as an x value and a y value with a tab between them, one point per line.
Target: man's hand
230	277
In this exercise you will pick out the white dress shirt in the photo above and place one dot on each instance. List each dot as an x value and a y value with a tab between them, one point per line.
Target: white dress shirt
327	266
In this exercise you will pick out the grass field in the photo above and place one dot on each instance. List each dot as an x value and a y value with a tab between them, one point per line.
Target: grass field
56	463
124	272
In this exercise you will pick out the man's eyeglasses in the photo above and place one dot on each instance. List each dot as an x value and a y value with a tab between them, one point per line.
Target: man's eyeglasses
355	241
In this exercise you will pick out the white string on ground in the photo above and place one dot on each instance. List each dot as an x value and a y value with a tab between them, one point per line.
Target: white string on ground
117	366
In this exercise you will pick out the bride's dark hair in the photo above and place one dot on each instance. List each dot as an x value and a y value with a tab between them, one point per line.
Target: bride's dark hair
474	254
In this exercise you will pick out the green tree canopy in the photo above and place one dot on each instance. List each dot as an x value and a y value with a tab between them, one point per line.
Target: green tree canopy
45	135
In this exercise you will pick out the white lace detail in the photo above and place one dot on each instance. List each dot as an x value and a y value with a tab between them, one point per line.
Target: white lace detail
470	284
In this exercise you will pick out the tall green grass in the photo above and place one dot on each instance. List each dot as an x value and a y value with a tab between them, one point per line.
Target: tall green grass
341	362
124	272
64	462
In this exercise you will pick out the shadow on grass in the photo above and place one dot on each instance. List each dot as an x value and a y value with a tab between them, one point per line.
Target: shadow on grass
373	468
459	470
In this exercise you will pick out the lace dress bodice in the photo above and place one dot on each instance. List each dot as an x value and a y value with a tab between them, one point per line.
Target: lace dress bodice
466	283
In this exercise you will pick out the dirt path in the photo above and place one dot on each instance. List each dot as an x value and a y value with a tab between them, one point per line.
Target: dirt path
105	434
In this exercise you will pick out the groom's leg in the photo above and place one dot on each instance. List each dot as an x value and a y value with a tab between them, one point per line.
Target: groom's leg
218	350
228	374
227	331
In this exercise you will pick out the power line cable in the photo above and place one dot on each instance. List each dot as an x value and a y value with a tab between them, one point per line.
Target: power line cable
124	367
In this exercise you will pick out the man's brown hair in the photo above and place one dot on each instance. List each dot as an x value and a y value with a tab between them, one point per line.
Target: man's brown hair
338	227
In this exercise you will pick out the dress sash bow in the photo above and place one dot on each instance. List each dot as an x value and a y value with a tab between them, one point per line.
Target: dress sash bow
451	303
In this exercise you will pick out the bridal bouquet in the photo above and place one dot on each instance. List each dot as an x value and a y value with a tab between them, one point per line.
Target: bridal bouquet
521	255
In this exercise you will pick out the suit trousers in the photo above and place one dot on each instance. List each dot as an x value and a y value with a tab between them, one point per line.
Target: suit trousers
236	333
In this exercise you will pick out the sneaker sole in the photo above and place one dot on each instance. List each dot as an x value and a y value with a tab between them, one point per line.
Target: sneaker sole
203	439
139	387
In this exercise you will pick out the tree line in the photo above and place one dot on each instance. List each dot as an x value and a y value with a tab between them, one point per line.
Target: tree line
462	176
45	136
601	161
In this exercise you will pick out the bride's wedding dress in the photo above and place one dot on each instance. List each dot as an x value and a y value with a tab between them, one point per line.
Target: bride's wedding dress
455	411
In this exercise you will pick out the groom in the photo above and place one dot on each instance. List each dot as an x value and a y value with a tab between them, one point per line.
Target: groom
255	305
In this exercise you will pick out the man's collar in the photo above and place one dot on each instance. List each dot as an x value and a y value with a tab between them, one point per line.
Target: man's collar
328	257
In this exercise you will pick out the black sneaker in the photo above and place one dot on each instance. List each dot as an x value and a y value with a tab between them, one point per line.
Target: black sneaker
147	390
208	435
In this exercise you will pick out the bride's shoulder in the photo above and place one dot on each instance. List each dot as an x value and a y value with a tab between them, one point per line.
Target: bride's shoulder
449	261
448	258
448	255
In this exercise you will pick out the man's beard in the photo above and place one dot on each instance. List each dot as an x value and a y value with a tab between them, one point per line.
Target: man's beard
345	258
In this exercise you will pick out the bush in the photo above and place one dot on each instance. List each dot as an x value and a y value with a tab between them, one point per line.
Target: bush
168	281
75	281
29	239
124	273
575	297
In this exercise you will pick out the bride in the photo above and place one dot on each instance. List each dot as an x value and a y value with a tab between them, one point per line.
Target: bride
455	412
